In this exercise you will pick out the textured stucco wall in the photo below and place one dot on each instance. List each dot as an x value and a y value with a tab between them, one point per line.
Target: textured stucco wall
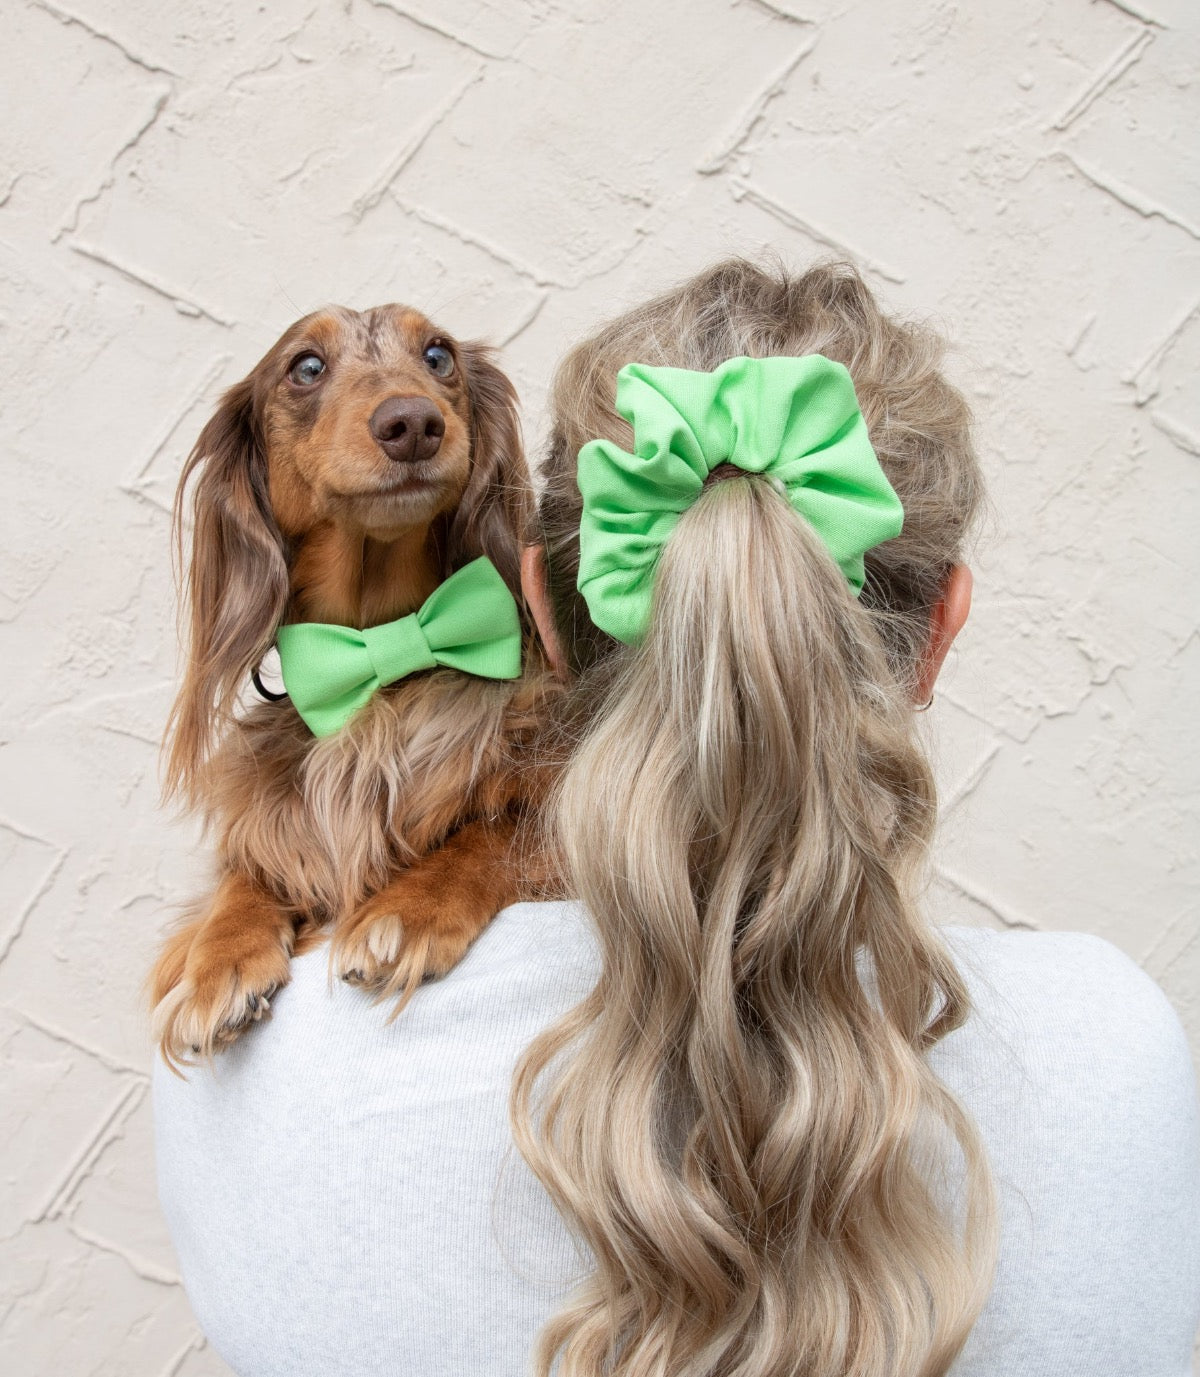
179	181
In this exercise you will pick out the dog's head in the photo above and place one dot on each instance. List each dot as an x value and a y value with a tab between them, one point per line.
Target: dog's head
375	423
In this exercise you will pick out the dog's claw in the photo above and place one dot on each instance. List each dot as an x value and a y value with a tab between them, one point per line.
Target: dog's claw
257	1007
204	1014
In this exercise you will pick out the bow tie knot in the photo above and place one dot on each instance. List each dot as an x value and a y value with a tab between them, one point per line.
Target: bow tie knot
469	623
398	649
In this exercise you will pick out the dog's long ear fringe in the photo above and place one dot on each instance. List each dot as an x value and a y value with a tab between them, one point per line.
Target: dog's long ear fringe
498	500
236	586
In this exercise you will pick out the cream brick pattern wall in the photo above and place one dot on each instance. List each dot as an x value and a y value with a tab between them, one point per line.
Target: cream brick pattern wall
179	181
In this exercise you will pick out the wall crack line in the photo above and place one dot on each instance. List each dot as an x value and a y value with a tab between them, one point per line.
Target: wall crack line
173	1368
105	1059
971	781
744	190
84	1161
148	1271
466	236
51	874
69	226
1137	12
999	910
773	7
424	22
139	480
525	322
382	184
66	18
1115	68
1178	434
1141	378
719	159
184	304
1127	196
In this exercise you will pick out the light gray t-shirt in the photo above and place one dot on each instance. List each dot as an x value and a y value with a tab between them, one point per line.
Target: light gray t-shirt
346	1201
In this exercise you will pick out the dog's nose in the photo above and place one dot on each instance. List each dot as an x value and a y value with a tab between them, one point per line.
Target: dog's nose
408	428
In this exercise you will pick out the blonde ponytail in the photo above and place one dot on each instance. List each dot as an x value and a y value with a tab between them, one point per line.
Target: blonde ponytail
739	1120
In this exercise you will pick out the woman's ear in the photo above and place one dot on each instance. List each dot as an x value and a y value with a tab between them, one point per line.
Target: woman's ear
537	598
949	614
498	498
236	586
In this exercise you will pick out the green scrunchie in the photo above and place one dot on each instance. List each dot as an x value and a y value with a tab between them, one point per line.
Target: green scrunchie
794	419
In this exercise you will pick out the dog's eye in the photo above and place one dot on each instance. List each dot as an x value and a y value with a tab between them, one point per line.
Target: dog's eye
306	370
439	360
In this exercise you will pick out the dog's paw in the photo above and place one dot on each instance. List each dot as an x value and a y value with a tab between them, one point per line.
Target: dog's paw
365	951
397	940
212	1006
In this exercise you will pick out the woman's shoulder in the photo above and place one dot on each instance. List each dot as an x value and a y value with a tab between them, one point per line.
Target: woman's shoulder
1069	995
1076	1069
1067	1027
1077	958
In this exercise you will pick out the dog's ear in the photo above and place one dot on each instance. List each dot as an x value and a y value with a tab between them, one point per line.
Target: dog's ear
495	508
236	586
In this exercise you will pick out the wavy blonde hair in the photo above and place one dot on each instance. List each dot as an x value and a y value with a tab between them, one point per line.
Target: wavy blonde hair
739	1120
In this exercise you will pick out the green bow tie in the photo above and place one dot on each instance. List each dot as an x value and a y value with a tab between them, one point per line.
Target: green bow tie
469	623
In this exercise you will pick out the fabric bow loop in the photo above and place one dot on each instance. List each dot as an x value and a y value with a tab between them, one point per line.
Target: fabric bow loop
795	420
468	623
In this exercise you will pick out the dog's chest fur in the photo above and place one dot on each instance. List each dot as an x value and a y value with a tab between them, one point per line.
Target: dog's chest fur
324	823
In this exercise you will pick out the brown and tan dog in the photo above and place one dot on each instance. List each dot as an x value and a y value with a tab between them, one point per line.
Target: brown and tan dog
365	458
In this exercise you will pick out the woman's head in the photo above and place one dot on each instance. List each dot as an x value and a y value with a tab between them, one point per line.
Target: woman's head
737	1119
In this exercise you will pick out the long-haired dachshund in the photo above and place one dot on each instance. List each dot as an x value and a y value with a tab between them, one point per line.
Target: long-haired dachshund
366	458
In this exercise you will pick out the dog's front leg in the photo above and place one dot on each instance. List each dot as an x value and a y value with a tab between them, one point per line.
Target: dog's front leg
215	975
421	923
